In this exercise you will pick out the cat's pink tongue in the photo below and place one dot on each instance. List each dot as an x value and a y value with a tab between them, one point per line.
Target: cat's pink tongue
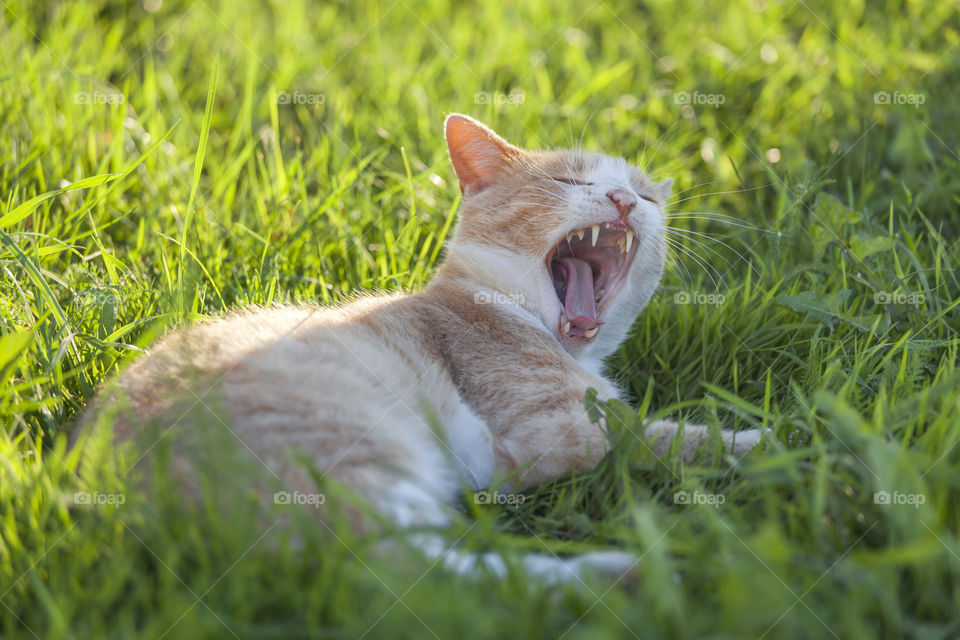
579	306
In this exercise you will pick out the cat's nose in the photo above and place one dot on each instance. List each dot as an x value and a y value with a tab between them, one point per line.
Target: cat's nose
624	200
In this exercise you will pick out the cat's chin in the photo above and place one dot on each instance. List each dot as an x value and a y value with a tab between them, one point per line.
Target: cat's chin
588	268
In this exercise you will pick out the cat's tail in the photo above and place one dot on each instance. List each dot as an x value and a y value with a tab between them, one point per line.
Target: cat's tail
408	505
546	568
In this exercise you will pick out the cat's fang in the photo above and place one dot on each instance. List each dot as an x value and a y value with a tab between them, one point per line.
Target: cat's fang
566	328
625	241
595	230
589	333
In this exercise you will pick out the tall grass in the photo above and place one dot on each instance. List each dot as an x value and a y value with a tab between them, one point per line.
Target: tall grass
164	161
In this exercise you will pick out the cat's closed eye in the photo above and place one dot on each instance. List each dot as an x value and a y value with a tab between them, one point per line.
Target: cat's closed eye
583	183
573	181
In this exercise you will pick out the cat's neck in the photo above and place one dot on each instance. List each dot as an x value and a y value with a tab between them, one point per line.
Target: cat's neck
485	285
499	270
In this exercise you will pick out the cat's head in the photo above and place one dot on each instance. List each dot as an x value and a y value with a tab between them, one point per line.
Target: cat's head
577	238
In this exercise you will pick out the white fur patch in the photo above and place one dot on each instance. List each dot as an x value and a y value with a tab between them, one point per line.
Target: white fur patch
409	504
744	441
472	446
546	569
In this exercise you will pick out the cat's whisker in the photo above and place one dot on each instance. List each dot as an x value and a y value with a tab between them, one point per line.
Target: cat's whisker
697	186
674	261
679	247
712	214
717	253
730	220
671	168
715	214
646	141
718	193
693	255
688	233
663	139
589	120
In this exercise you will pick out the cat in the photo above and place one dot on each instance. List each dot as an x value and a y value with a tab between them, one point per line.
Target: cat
554	256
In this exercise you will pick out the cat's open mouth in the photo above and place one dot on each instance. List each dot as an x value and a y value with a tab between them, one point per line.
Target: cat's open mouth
588	267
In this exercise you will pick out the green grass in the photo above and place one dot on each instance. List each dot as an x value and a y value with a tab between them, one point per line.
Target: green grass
265	152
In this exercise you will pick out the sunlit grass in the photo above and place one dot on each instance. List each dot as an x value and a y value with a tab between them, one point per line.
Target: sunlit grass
163	161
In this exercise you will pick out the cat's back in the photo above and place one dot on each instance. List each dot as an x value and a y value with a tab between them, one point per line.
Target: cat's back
260	361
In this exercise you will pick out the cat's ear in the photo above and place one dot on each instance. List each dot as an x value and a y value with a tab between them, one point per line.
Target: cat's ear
664	188
477	153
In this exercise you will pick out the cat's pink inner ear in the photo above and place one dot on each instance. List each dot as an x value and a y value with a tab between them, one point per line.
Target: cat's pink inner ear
477	153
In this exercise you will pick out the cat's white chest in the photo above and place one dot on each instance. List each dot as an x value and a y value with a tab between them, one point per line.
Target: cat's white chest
471	446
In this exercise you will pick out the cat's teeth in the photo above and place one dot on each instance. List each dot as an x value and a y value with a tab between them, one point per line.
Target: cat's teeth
589	333
600	294
581	233
629	235
622	242
595	230
566	328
